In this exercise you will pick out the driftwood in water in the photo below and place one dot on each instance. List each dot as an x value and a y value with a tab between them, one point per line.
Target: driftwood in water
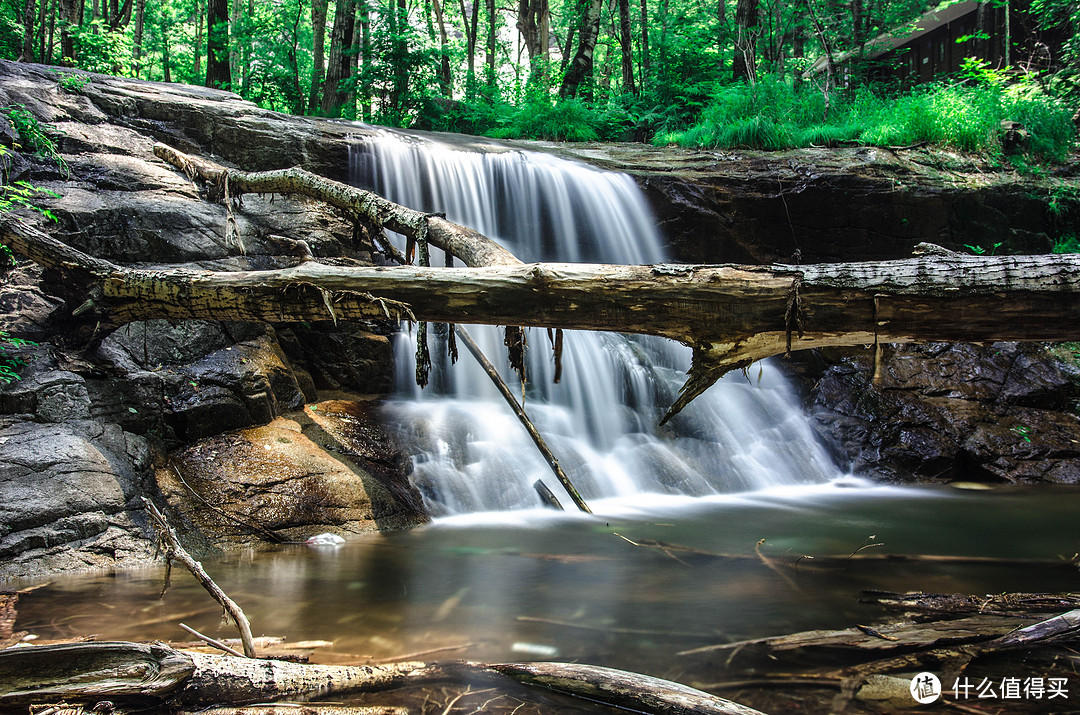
173	549
130	672
875	663
954	604
519	412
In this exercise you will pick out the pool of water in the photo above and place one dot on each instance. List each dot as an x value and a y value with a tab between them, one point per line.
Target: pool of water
631	587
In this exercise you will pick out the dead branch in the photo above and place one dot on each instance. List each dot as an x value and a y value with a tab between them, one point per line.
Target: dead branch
175	550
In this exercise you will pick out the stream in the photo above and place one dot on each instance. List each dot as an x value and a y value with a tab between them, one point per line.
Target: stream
542	586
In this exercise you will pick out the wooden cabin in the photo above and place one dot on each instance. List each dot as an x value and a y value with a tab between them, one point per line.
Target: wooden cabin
935	45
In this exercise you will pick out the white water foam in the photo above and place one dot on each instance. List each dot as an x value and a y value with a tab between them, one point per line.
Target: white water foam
469	452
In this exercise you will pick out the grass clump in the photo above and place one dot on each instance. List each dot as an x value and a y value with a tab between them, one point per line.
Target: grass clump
965	115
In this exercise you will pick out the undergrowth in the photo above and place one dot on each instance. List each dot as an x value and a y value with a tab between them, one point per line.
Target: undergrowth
9	361
966	116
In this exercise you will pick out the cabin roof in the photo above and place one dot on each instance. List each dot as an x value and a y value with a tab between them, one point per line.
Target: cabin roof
889	41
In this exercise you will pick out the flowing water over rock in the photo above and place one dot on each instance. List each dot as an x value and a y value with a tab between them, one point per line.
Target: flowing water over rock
601	418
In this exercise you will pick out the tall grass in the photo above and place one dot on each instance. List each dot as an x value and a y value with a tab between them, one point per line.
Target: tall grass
773	114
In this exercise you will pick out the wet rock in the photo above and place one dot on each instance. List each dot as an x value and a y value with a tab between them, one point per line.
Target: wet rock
1006	412
297	476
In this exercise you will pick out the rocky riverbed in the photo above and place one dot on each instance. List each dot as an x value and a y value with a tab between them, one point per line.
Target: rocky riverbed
243	430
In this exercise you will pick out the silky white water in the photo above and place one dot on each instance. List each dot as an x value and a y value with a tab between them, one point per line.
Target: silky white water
470	453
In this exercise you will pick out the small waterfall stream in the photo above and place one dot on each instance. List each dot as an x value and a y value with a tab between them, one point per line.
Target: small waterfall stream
469	452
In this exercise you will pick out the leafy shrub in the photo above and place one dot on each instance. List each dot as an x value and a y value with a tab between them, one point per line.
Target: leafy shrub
10	362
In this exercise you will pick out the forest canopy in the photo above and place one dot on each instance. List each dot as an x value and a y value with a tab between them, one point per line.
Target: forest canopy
738	73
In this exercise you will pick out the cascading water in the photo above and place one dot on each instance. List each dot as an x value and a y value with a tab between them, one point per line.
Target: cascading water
469	452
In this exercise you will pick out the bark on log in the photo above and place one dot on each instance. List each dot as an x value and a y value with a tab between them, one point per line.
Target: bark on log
731	315
82	672
470	246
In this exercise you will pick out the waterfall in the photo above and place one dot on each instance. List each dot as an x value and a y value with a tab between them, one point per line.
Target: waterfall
469	452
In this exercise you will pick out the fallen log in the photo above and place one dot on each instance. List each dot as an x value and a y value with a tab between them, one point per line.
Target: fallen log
730	315
158	674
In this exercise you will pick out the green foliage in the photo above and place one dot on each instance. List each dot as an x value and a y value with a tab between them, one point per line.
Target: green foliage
72	82
774	114
1069	243
564	120
9	361
34	135
99	50
23	194
979	250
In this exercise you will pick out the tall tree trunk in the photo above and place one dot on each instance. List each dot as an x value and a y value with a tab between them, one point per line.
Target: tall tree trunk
69	19
580	70
218	72
365	52
446	79
492	16
744	66
238	37
298	99
43	12
534	24
400	87
166	61
645	43
337	66
352	61
318	69
471	23
245	74
119	17
29	15
140	18
197	69
627	45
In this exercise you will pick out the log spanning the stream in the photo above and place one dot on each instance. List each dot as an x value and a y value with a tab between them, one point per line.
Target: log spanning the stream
730	315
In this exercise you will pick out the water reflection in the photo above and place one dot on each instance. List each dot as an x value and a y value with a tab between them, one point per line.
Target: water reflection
629	588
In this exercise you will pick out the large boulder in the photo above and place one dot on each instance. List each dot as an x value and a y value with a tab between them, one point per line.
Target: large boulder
1007	412
95	416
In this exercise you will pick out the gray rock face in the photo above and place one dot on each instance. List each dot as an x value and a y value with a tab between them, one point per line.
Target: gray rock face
68	491
1008	412
86	429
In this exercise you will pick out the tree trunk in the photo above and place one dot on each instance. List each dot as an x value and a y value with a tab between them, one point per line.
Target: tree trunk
645	43
121	16
198	39
318	70
730	315
446	79
492	17
627	47
299	101
471	23
238	34
29	15
140	17
744	66
352	64
337	66
534	24
69	18
218	72
365	53
166	27
580	70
